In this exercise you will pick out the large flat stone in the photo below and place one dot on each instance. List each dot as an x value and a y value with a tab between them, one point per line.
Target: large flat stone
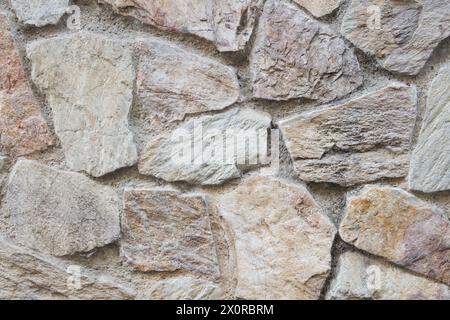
23	129
88	80
282	239
391	223
164	230
172	82
58	212
227	23
39	13
363	140
295	56
401	35
430	162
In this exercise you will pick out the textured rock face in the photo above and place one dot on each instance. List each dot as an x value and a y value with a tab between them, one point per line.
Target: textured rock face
288	57
164	230
400	34
23	129
58	212
39	12
363	140
173	82
282	240
90	94
203	151
32	276
393	224
430	162
320	8
360	277
227	23
185	288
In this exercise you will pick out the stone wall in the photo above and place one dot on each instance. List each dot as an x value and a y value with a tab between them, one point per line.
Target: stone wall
117	121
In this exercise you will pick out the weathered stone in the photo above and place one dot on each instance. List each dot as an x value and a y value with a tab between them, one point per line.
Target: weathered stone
400	34
164	230
39	12
32	276
430	162
209	150
58	212
282	239
185	288
173	82
23	129
320	8
393	224
88	80
360	277
227	23
297	57
362	140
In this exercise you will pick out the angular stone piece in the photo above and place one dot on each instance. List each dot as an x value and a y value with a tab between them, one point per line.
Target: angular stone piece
23	130
185	288
400	34
227	23
282	239
209	150
27	275
360	277
391	223
164	230
173	82
88	80
295	56
58	212
39	13
363	140
430	162
320	8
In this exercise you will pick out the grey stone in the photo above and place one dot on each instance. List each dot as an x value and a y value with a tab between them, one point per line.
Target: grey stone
320	8
185	288
39	13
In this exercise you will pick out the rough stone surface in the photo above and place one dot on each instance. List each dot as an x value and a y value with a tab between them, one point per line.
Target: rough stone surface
171	156
282	239
39	12
394	224
173	82
23	129
90	94
27	275
320	8
362	140
360	277
185	288
430	161
164	230
400	34
288	57
227	23
58	212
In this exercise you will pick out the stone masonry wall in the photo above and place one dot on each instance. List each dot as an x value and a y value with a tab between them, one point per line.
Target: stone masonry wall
223	149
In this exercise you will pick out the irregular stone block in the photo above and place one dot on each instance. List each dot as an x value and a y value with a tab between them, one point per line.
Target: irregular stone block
27	275
23	129
295	56
363	140
173	82
430	161
391	223
227	23
401	35
58	212
360	277
209	150
319	8
282	240
185	288
39	13
88	80
164	230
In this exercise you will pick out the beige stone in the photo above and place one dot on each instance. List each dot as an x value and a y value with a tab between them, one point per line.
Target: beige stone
185	288
320	8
